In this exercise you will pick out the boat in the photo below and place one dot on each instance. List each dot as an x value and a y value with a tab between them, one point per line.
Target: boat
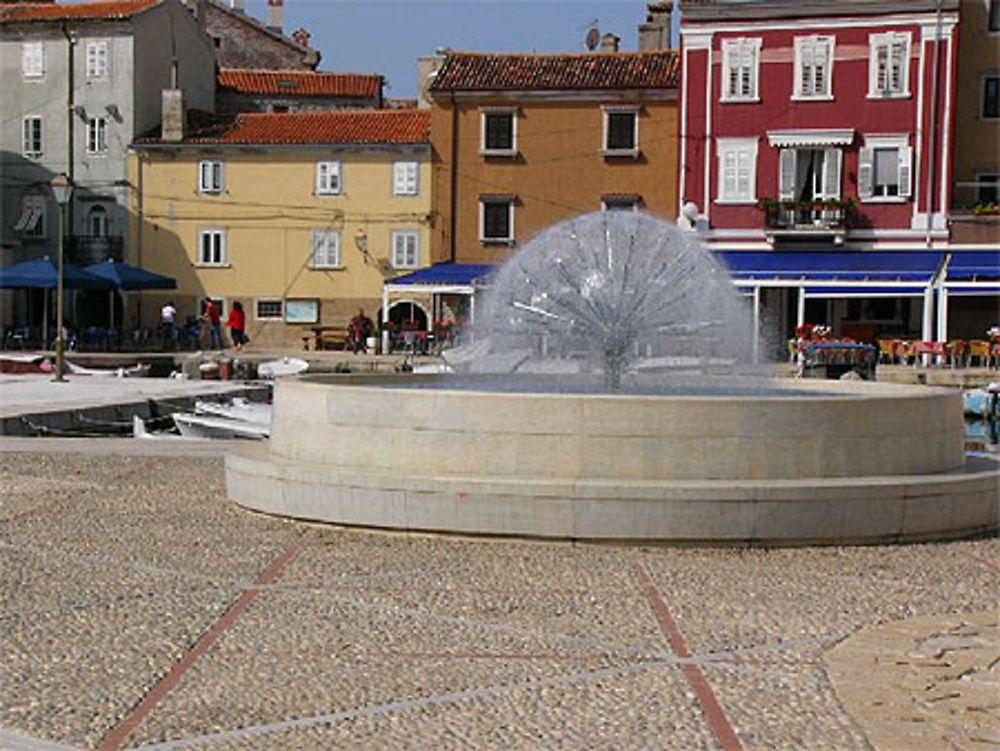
141	431
237	409
982	403
140	370
11	362
286	366
191	425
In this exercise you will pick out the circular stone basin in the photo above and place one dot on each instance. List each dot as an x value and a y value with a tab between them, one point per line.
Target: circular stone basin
723	460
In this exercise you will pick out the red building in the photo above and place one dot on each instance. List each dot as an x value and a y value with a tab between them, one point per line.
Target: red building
815	156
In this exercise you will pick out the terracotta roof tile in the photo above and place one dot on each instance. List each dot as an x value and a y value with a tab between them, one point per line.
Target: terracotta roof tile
476	71
312	127
105	10
300	83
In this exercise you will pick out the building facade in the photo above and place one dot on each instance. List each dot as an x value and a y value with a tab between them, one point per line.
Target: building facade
521	142
243	90
300	216
241	41
816	151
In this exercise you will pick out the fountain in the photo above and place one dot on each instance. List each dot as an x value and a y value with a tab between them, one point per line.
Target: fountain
612	398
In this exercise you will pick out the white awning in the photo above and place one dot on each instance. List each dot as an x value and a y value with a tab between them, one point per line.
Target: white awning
817	137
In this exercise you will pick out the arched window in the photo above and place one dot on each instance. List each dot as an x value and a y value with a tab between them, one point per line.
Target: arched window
97	222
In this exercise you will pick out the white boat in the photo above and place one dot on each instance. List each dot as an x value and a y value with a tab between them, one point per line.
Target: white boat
193	425
139	430
238	408
135	371
286	366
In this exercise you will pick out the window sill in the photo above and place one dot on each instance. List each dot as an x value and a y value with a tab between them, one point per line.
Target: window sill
620	153
210	192
739	100
213	266
812	98
885	199
328	194
326	268
735	201
496	241
878	96
508	153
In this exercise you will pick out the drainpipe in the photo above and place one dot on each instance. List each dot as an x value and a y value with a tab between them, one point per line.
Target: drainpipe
70	104
453	198
139	218
931	179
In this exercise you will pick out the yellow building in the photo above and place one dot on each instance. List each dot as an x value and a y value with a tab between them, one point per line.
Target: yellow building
299	216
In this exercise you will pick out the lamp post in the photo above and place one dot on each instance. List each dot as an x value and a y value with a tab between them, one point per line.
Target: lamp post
61	189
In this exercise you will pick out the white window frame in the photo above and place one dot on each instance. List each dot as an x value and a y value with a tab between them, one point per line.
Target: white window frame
831	180
406	178
211	176
32	222
606	112
737	170
866	168
98	218
218	248
982	96
33	60
32	136
97	59
882	59
329	177
743	54
509	240
399	240
97	135
321	254
805	48
485	113
270	301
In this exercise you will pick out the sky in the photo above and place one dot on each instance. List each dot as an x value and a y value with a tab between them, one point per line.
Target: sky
387	37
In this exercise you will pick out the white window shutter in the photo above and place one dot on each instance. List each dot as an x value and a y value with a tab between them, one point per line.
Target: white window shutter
832	164
905	170
786	176
866	158
322	171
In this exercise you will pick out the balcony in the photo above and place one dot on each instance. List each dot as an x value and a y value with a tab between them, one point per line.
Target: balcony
806	220
84	250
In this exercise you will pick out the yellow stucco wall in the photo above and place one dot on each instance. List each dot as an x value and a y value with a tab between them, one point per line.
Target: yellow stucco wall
268	209
559	171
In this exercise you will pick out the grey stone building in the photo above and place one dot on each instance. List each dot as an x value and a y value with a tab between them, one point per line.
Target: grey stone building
242	41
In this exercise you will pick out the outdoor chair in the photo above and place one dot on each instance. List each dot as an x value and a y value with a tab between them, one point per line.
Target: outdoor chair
979	353
956	353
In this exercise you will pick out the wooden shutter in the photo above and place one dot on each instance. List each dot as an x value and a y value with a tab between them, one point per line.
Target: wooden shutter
865	172
905	170
786	176
832	164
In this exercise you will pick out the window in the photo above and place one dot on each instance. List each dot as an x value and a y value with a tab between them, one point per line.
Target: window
211	247
269	309
32	60
884	169
994	12
32	136
737	170
740	65
211	176
97	222
499	132
620	202
991	97
97	59
328	178
621	131
813	67
97	135
987	187
889	65
404	178
405	249
326	248
809	174
31	223
496	219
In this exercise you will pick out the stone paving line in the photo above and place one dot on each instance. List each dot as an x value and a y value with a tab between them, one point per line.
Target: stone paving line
119	568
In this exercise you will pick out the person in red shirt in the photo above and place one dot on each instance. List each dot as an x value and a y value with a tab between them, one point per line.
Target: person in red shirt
237	324
210	314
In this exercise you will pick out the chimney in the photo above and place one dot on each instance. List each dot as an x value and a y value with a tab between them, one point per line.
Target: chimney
172	118
609	42
301	37
654	34
275	15
238	6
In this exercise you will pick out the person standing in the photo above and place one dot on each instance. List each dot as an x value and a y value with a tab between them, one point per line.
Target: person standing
168	325
237	324
210	314
359	329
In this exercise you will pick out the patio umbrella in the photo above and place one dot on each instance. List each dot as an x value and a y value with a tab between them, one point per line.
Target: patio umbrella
43	273
127	278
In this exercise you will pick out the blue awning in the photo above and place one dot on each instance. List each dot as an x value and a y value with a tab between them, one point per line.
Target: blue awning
917	267
445	275
864	291
971	264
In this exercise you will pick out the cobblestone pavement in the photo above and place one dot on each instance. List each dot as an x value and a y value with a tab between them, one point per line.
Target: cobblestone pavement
139	608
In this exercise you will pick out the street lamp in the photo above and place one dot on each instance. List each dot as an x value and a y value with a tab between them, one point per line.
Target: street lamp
61	189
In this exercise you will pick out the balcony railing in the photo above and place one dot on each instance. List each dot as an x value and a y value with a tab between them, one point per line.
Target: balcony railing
821	217
84	251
